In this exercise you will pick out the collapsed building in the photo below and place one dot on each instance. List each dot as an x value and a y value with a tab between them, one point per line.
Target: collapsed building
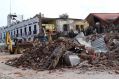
30	28
107	21
95	50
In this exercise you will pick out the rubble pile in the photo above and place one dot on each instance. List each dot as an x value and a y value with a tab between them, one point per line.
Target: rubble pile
44	56
100	51
111	58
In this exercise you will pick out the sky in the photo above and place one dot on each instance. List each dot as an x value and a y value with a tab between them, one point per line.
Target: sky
53	8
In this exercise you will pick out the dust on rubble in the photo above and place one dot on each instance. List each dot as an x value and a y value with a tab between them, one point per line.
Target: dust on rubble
51	55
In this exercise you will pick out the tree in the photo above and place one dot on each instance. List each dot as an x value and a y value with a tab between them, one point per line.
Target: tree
64	16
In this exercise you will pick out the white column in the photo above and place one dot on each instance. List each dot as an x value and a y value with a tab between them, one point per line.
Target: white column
32	29
27	30
38	28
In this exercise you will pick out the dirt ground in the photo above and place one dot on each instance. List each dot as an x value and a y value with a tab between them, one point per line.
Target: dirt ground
8	72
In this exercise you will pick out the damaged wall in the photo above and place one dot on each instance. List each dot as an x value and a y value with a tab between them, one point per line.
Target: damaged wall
84	23
61	22
71	24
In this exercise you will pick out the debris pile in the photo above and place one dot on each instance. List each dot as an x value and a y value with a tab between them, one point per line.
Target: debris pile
73	52
45	56
111	58
106	60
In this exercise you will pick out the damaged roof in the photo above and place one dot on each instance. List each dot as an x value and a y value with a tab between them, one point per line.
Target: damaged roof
105	16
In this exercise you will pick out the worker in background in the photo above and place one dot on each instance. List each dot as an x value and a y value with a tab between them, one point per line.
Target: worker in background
89	30
43	35
99	28
49	35
71	34
82	29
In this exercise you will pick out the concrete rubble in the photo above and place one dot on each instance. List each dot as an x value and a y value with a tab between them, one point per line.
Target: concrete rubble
94	51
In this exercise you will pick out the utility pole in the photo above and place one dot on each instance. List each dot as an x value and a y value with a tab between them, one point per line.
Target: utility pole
10	7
